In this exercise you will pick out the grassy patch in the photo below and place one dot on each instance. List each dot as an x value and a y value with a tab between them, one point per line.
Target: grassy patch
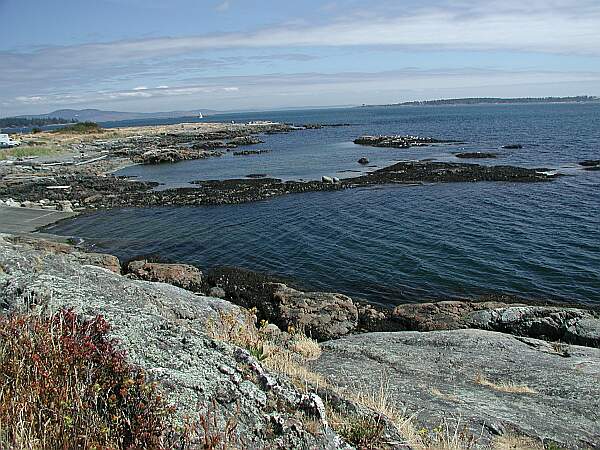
507	387
34	150
63	384
509	441
80	128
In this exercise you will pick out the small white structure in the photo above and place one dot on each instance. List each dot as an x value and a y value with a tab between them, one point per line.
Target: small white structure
7	142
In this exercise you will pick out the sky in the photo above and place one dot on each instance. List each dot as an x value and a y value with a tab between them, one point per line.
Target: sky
151	55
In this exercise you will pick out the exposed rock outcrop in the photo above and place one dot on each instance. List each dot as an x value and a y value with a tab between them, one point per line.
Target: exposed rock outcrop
181	275
321	315
492	383
162	329
396	141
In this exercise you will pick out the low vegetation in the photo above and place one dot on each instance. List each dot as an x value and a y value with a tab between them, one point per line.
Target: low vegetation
290	356
29	150
504	386
80	128
64	384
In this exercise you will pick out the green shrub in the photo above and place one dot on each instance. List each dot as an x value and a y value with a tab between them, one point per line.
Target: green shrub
80	128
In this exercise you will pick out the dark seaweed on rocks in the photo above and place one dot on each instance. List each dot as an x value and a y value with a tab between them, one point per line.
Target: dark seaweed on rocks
111	192
475	155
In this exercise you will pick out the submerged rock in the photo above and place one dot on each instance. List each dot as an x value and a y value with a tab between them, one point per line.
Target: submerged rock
363	161
512	146
488	382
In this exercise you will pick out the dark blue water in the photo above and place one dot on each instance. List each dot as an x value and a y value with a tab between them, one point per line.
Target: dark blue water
392	244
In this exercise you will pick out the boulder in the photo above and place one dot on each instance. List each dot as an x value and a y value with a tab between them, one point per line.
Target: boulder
181	275
327	180
363	161
569	325
487	382
321	315
445	315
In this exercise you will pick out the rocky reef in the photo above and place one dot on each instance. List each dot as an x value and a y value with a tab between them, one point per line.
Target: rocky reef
475	155
397	141
93	192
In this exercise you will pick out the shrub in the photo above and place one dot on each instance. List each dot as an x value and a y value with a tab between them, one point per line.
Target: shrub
64	384
80	128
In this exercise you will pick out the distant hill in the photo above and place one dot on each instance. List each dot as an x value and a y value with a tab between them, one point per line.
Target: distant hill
495	101
98	115
21	122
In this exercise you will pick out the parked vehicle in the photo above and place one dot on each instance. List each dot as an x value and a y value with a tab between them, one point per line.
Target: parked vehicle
7	142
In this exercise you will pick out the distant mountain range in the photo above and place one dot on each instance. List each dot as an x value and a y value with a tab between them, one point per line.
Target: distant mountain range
495	101
98	115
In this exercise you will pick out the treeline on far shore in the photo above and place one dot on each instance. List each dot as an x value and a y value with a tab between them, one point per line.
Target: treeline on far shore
22	122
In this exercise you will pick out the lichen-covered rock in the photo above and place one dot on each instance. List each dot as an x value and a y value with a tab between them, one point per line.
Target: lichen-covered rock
488	382
570	325
321	315
162	329
109	262
181	275
446	315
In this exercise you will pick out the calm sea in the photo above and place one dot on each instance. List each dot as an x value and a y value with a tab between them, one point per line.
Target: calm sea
392	244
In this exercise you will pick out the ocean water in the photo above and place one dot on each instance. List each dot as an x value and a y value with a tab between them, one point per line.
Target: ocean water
392	244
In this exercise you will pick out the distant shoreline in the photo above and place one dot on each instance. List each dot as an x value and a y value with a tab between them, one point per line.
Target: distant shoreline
496	101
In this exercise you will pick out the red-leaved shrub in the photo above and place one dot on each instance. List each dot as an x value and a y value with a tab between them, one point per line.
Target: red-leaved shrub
64	384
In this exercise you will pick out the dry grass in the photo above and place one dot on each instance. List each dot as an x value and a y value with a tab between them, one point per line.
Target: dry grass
289	359
30	150
507	387
365	432
511	441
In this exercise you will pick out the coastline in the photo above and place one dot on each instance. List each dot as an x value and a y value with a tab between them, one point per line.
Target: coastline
487	369
504	357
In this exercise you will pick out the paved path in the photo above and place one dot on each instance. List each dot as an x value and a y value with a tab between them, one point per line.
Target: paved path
26	220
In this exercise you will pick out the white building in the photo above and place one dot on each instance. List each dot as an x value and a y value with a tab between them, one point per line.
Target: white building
7	142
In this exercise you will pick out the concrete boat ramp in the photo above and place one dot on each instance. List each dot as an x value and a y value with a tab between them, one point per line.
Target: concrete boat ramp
27	220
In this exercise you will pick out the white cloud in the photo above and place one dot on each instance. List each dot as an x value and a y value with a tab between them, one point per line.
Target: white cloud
223	6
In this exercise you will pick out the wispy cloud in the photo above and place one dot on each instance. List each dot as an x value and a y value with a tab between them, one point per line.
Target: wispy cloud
223	6
168	67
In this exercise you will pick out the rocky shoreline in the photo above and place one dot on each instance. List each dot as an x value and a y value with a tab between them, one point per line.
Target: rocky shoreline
490	370
100	192
83	181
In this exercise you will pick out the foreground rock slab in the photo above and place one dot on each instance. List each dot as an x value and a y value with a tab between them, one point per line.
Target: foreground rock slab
492	383
162	328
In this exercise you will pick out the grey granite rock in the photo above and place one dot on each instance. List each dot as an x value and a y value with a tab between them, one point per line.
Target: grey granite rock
442	376
161	328
180	275
570	325
321	315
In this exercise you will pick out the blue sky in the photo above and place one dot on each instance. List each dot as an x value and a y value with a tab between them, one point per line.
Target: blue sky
149	55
